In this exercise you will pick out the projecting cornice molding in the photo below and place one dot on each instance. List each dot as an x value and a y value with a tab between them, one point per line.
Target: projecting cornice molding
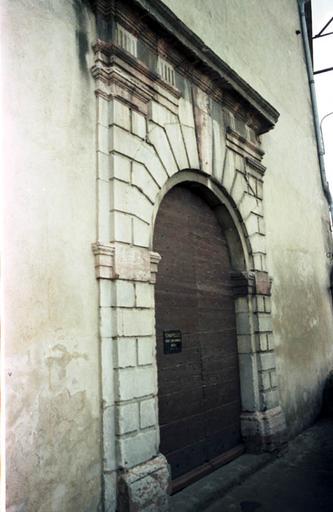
165	34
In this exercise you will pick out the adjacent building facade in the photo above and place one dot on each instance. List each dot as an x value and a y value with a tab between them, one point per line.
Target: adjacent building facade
166	269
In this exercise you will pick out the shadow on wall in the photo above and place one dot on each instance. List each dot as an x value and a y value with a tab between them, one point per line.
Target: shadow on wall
327	409
81	15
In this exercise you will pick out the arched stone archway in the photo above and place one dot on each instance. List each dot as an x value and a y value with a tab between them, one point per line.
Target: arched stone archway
151	136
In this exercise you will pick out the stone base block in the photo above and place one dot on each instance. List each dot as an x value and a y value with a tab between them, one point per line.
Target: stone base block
264	431
145	488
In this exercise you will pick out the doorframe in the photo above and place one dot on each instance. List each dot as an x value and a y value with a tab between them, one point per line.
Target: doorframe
263	424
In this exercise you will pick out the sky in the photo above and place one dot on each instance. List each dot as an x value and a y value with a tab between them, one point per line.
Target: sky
322	11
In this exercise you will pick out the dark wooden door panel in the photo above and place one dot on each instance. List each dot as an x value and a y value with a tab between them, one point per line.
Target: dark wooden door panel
199	397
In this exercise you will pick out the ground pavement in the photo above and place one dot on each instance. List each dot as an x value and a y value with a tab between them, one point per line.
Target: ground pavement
300	480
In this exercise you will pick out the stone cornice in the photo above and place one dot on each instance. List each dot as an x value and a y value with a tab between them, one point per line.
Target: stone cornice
157	11
241	145
164	34
104	260
119	74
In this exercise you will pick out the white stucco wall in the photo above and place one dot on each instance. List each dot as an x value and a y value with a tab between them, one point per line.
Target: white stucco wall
50	311
258	40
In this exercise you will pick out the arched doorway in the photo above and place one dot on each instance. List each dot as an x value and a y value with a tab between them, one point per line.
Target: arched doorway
197	359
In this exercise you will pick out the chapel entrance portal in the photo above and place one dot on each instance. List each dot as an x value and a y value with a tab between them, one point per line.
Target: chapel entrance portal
198	375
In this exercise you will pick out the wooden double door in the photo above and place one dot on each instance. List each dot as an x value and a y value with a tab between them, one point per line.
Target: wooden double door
198	376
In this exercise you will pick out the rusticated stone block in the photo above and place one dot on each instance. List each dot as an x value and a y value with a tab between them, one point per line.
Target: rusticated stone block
145	487
264	430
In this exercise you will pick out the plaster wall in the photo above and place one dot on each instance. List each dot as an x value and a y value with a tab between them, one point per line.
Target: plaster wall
259	41
50	312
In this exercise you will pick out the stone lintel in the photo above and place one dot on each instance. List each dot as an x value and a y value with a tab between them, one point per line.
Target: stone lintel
145	487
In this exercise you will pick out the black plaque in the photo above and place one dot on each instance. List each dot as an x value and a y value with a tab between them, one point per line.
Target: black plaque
172	342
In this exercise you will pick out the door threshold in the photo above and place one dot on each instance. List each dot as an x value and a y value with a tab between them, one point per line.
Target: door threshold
192	476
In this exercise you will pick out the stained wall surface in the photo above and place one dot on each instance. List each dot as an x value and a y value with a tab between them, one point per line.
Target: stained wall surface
50	312
259	41
51	309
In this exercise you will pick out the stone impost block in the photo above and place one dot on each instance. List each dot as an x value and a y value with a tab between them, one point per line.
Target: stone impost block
155	258
263	283
264	430
243	283
104	260
145	487
132	263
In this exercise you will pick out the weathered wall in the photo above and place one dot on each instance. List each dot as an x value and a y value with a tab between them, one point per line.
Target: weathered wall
259	41
52	359
53	426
